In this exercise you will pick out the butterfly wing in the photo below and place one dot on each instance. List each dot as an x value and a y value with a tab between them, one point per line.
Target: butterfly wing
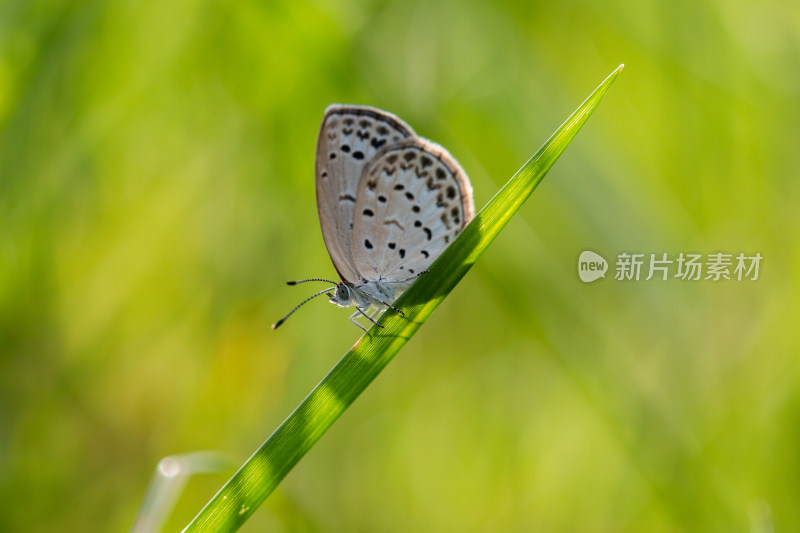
413	199
348	139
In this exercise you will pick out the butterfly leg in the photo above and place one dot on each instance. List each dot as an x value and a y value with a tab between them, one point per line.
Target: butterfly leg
393	308
414	277
385	289
353	320
360	311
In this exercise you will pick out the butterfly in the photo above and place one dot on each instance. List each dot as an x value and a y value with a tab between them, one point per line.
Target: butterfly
389	203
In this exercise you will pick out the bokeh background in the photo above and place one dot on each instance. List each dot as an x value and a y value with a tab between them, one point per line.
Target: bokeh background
157	188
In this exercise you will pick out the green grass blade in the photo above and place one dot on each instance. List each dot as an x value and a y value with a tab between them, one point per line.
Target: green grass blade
262	472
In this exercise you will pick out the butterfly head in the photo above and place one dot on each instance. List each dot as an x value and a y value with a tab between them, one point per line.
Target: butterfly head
343	295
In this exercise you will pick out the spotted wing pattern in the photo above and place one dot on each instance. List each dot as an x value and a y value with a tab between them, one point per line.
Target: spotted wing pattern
413	199
349	138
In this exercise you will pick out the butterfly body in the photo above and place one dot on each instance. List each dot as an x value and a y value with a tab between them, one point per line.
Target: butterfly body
373	294
389	203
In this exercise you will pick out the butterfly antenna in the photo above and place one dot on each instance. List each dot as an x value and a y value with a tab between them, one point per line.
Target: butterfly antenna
282	320
310	279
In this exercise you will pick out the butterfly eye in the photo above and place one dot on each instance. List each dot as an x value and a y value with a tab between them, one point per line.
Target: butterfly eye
342	291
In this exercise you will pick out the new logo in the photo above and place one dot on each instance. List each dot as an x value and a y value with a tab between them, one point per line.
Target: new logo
591	266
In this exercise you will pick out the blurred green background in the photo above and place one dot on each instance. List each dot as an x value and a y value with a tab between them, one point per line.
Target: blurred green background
157	188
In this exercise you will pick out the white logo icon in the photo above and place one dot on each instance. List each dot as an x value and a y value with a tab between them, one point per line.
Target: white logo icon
591	266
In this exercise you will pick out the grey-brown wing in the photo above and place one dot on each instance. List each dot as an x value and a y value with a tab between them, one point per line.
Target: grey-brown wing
414	198
348	139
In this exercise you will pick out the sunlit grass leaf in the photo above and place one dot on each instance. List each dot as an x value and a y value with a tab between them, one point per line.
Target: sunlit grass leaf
262	472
